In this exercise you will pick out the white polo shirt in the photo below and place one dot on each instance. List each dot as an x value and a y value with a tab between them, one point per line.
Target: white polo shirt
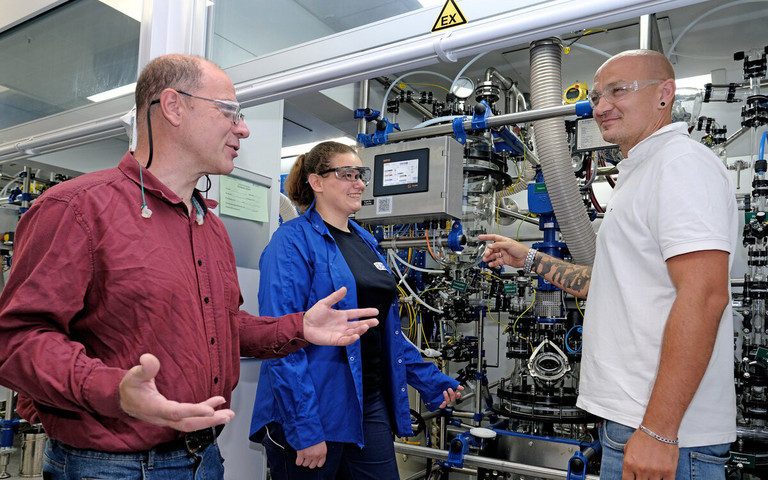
672	196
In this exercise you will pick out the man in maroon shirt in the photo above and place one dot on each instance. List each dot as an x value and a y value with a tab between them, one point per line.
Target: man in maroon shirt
128	265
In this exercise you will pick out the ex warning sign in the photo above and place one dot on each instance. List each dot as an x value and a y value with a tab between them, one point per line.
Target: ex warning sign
450	16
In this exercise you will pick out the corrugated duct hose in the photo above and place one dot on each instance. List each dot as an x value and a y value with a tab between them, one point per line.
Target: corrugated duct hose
552	148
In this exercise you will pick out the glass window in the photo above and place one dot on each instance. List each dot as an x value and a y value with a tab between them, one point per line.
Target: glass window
57	60
246	29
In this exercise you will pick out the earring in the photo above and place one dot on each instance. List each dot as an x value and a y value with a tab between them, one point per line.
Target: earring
662	104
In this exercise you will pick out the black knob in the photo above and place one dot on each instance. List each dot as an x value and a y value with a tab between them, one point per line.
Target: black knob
577	464
457	446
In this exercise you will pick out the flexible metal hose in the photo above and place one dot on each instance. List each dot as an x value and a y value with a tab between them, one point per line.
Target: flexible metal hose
552	148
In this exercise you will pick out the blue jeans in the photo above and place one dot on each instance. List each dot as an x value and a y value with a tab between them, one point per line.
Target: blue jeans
375	461
695	463
62	462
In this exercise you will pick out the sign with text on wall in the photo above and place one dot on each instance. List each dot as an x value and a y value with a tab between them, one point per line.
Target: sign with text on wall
450	16
243	199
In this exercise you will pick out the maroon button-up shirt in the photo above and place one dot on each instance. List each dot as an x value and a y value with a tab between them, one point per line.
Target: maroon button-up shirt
94	285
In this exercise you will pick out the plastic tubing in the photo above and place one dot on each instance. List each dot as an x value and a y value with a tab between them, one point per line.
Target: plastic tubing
425	270
761	150
392	85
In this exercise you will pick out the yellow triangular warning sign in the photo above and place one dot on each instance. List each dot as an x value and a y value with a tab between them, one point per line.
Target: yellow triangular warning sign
450	16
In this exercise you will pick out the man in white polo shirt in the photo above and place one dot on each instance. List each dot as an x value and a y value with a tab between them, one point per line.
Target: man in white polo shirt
657	361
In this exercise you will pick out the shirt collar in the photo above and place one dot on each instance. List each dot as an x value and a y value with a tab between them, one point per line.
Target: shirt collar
642	150
153	186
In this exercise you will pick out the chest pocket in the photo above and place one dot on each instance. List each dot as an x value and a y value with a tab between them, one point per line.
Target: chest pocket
227	279
322	282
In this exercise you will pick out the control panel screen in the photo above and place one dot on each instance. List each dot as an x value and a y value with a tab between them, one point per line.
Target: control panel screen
401	172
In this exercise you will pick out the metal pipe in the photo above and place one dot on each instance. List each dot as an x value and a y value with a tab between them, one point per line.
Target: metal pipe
736	135
25	190
518	216
479	366
362	102
98	129
399	243
497	121
488	463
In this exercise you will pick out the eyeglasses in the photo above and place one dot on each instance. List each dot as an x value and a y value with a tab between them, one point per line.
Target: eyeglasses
616	91
350	174
226	107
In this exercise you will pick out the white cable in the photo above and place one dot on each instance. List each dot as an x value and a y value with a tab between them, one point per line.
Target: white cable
706	14
432	121
429	352
450	90
425	270
408	287
392	85
592	49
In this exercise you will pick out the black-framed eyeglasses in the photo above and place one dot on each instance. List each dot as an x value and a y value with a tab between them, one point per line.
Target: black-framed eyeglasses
350	174
618	90
227	107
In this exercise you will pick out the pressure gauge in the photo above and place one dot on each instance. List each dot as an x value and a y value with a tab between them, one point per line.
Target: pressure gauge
575	93
463	88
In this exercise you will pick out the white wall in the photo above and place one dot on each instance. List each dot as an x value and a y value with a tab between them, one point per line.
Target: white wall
259	153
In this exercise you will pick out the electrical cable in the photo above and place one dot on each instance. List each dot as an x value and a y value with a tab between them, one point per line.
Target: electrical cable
429	248
578	328
429	85
416	297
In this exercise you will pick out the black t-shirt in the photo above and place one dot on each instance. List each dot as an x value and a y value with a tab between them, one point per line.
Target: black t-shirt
376	288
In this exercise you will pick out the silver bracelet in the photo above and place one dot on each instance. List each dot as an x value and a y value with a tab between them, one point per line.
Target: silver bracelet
658	437
528	265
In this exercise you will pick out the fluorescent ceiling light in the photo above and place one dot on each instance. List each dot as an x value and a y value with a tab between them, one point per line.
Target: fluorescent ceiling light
297	150
430	3
696	82
131	8
115	92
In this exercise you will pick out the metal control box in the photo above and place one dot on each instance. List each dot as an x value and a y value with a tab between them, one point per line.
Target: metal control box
413	182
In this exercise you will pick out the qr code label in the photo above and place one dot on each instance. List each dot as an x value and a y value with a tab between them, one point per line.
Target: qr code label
383	205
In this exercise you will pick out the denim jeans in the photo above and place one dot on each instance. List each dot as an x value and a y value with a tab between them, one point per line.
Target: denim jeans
695	463
62	462
344	461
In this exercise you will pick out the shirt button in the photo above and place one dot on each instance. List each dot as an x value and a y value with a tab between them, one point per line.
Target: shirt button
402	389
397	332
199	262
213	340
215	379
206	300
399	360
352	359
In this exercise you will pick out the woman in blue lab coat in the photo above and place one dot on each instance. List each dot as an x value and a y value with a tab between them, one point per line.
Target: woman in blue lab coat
330	412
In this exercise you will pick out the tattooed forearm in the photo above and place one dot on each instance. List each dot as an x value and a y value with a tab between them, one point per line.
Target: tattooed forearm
572	278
